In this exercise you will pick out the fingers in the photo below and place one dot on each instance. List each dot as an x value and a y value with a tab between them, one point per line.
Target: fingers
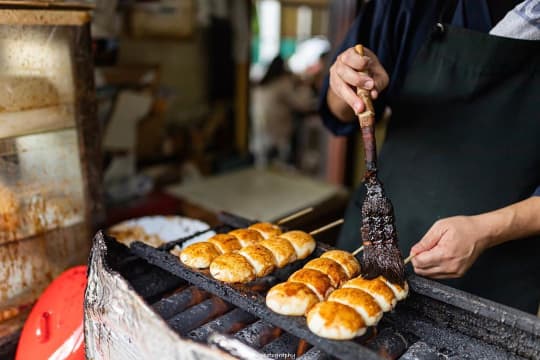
430	239
354	78
441	271
437	256
449	248
351	71
430	255
377	71
344	91
428	259
352	59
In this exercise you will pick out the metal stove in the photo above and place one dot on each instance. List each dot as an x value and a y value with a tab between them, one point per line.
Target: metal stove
142	302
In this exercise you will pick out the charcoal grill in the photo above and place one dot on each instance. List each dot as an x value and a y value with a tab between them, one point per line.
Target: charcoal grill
188	309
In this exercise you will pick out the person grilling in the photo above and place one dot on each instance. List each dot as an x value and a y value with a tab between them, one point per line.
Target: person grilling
461	158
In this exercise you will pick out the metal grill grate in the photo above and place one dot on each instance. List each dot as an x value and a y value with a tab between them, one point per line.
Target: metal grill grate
434	322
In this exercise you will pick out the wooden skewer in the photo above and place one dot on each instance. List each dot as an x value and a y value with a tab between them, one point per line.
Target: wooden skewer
408	260
405	262
358	250
326	227
295	215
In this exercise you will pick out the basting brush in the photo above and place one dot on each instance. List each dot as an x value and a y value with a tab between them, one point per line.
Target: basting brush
378	231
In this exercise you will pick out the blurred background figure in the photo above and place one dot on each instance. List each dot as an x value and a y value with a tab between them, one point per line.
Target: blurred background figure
276	100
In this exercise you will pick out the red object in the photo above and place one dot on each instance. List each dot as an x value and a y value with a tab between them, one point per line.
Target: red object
54	329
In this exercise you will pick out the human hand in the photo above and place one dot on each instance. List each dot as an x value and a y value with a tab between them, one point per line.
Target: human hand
450	247
350	71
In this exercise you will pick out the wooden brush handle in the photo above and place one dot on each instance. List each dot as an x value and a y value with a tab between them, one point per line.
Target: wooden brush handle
367	122
367	117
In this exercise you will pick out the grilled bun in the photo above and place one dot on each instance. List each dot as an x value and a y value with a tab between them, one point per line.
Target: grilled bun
303	243
282	250
247	237
317	282
329	267
260	258
377	288
346	260
199	255
290	298
361	302
232	268
225	243
401	292
267	230
333	320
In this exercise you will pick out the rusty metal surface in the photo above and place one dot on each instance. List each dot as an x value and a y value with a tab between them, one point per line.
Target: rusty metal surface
28	266
42	213
118	322
40	184
49	154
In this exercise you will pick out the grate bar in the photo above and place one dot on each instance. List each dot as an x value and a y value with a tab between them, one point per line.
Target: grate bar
180	301
284	347
235	347
258	334
198	315
421	350
155	283
389	343
231	322
315	354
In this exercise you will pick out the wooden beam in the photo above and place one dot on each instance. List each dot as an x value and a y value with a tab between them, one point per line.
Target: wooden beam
44	17
241	105
311	3
342	14
40	4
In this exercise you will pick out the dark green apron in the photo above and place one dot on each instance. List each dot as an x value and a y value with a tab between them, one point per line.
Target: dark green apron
464	139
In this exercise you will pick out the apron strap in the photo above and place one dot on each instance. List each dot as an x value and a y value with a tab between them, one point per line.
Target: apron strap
445	17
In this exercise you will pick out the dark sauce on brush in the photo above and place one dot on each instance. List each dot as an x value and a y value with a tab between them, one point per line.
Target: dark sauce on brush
379	236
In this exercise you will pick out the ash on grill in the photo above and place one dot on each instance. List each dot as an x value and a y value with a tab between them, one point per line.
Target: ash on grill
142	302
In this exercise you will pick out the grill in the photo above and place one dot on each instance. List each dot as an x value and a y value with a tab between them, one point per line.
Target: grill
434	322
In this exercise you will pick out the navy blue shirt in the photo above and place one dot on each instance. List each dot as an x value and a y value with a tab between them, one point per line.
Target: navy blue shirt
395	30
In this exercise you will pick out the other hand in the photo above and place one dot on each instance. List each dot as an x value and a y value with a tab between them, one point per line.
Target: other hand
346	75
450	247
